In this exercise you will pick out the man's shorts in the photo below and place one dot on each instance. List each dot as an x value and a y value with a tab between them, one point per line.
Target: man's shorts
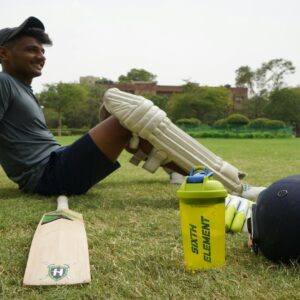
74	169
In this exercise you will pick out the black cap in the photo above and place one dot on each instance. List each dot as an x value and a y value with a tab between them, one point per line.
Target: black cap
7	34
276	220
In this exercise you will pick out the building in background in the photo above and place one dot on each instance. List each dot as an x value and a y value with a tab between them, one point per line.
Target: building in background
239	95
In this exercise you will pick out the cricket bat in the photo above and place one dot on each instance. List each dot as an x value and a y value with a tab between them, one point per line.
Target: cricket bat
59	249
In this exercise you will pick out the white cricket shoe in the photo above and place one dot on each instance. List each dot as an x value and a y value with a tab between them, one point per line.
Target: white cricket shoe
251	192
176	178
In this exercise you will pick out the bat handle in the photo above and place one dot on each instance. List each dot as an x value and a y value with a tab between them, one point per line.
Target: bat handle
62	202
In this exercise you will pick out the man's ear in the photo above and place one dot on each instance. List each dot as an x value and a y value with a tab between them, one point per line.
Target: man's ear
3	53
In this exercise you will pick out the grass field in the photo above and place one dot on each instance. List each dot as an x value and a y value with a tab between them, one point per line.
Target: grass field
133	227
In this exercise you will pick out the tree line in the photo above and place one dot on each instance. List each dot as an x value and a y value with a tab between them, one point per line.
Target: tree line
76	105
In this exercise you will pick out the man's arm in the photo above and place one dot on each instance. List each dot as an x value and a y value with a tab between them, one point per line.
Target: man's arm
5	97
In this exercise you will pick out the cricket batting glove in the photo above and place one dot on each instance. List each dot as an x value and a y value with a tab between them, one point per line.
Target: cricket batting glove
237	211
170	143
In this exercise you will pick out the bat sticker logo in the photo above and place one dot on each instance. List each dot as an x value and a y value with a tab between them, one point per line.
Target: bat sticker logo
47	218
58	272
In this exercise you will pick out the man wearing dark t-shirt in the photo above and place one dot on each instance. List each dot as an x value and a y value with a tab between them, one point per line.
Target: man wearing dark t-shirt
29	154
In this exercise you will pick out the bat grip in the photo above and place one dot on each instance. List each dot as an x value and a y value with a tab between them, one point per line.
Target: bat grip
62	202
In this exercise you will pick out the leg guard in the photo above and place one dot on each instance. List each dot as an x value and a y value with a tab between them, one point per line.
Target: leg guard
170	143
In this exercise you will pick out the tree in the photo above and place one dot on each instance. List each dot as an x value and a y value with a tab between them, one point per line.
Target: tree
271	74
245	77
261	82
137	75
95	95
267	78
104	80
159	100
255	106
204	103
61	97
284	105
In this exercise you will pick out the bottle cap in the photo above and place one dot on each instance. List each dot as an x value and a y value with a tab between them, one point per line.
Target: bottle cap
200	184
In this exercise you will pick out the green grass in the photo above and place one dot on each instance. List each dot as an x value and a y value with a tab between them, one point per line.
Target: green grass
133	227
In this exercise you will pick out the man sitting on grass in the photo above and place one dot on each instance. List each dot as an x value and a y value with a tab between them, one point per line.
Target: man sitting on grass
33	159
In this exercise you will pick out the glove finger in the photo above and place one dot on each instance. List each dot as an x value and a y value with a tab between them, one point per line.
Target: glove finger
231	211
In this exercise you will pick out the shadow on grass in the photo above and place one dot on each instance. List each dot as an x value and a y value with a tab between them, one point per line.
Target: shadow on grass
119	194
135	180
14	193
124	195
126	182
10	192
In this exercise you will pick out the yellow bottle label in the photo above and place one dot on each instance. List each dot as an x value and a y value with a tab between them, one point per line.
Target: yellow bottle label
203	234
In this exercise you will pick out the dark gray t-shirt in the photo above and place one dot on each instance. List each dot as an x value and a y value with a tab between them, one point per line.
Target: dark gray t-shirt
25	140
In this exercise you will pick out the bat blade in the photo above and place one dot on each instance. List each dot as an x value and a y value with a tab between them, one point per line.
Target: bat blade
59	250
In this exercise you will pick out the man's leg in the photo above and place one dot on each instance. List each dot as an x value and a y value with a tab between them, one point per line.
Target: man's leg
76	168
170	144
110	137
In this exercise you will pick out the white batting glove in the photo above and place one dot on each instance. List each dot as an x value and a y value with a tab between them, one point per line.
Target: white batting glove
237	211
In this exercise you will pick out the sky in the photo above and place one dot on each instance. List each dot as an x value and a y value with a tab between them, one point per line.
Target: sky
203	41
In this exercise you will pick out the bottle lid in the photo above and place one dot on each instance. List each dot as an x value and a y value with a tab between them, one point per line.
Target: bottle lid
200	184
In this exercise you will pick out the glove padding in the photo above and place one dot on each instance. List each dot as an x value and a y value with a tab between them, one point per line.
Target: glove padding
237	211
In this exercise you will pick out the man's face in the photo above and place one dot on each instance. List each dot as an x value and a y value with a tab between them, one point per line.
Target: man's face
23	58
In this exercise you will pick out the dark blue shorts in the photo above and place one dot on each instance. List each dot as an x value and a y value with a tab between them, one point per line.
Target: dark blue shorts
74	169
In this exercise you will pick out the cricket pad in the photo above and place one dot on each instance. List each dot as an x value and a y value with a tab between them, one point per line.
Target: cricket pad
145	120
